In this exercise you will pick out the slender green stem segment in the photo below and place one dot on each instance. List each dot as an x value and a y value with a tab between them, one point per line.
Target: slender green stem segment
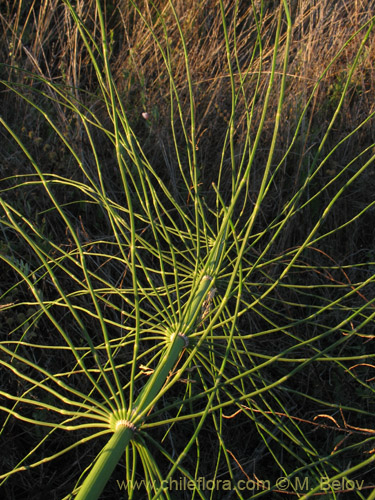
148	395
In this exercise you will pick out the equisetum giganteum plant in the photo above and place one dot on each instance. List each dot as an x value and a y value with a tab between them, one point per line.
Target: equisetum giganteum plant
157	318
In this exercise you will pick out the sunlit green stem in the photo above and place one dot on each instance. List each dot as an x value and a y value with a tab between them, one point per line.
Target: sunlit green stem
125	427
148	395
105	464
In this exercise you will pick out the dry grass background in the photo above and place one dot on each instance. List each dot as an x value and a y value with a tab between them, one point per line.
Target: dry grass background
41	37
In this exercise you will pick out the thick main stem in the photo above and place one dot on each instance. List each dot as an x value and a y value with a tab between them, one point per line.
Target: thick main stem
111	453
124	429
109	457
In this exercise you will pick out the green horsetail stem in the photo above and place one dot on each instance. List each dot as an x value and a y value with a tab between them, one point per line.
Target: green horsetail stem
124	427
107	460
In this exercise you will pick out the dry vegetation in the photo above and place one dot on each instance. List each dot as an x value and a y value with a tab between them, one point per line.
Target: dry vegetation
44	40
